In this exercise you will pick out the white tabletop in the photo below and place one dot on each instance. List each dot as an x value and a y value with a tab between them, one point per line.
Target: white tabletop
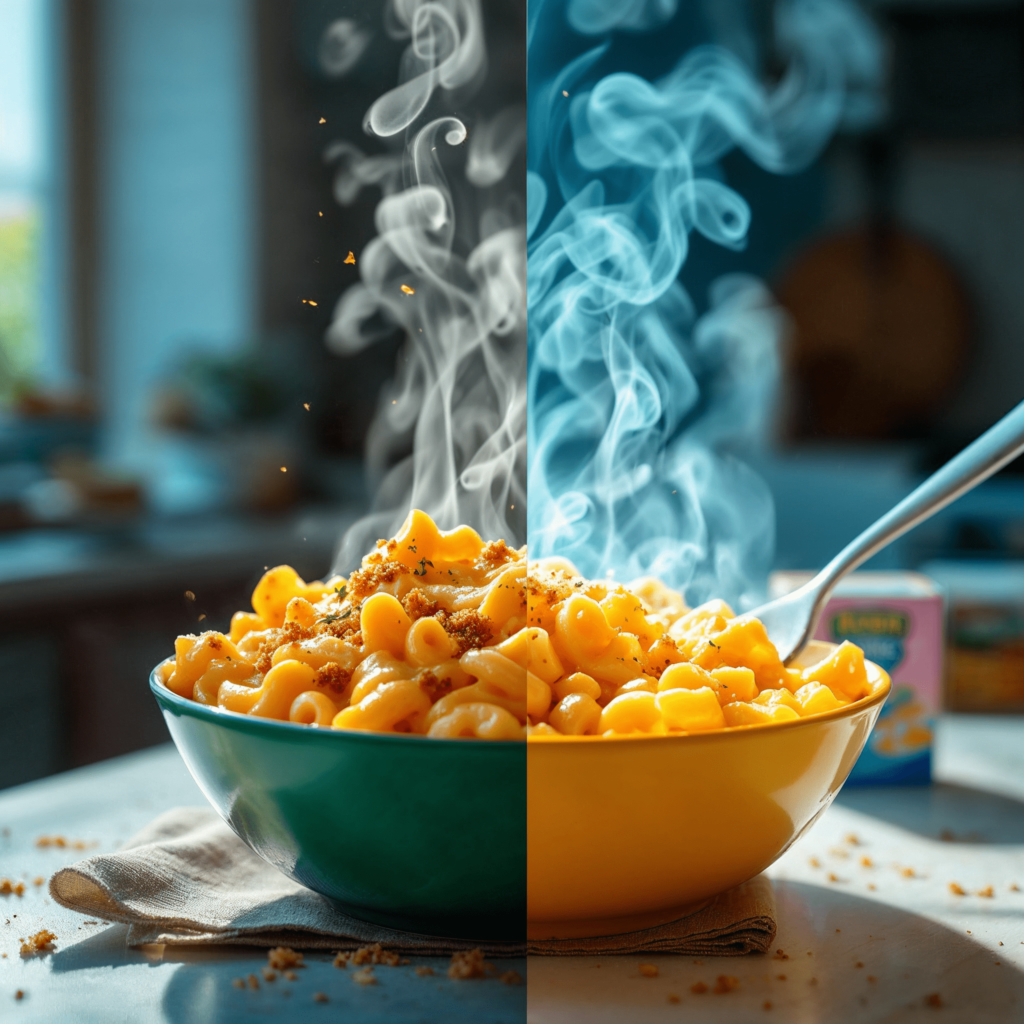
94	977
862	943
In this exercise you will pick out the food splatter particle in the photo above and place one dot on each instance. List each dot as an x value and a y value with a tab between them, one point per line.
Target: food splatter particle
7	887
284	469
424	972
933	1000
282	958
781	977
833	877
872	979
872	887
19	994
510	978
1014	887
699	988
564	93
726	983
859	964
673	998
814	862
852	839
364	976
41	942
269	974
290	976
957	890
469	963
866	862
189	595
320	997
238	982
649	970
254	982
779	955
351	257
407	290
323	120
767	1004
986	892
907	872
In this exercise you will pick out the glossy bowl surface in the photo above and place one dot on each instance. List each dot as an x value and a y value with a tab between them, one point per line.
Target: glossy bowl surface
422	834
626	833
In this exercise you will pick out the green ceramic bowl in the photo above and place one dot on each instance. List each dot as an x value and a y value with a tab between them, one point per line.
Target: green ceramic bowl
420	834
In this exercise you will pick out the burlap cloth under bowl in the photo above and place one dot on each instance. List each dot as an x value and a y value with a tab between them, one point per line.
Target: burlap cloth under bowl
186	878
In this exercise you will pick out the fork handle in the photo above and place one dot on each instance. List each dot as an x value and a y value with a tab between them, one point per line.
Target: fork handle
978	461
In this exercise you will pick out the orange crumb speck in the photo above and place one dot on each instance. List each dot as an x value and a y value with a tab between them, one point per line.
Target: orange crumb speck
238	982
254	982
767	1004
833	877
290	976
858	964
41	942
351	257
469	963
7	887
305	405
364	976
699	988
852	839
814	862
779	955
19	993
407	290
673	998
872	886
907	872
282	958
781	977
565	93
872	978
510	978
648	970
1014	887
934	1000
726	983
987	892
424	972
866	862
320	997
323	120
269	974
956	889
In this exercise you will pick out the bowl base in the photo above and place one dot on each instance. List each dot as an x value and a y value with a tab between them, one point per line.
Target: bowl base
593	927
483	928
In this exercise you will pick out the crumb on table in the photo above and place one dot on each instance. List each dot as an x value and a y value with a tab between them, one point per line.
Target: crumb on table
373	954
956	889
269	974
698	988
424	972
933	1000
364	976
254	982
510	978
649	970
7	887
320	997
726	983
282	958
468	963
41	942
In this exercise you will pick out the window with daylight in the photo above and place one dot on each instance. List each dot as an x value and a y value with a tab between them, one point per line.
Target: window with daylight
29	331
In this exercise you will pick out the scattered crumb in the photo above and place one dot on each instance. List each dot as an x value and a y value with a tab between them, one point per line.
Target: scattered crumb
51	841
908	873
375	954
7	887
779	955
320	997
269	974
987	892
859	964
833	877
468	964
648	970
781	977
38	880
872	979
364	976
866	862
957	890
424	972
838	930
41	942
814	862
673	998
726	983
282	958
852	839
1014	887
872	886
767	1004
947	835
511	978
699	988
254	982
934	1000
290	976
813	981
238	982
19	994
968	931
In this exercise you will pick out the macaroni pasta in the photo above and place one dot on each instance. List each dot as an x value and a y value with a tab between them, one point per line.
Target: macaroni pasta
427	636
610	660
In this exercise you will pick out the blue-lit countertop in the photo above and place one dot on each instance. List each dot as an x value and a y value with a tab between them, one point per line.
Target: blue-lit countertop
94	978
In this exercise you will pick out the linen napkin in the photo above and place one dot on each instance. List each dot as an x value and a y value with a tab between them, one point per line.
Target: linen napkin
187	879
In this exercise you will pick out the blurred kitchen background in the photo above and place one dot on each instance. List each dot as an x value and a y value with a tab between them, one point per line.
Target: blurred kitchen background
170	253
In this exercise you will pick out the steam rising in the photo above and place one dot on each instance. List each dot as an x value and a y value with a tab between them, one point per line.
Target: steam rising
639	410
459	397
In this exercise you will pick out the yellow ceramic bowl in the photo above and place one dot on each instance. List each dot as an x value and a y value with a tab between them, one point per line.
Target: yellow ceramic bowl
628	833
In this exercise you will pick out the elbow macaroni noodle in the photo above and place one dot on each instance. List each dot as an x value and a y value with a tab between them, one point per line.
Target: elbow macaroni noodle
441	634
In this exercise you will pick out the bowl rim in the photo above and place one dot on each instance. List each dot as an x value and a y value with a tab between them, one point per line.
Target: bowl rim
257	725
883	686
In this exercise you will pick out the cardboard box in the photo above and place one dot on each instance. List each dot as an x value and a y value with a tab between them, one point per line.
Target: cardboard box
897	618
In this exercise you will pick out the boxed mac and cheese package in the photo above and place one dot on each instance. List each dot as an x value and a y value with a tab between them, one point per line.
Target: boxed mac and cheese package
897	619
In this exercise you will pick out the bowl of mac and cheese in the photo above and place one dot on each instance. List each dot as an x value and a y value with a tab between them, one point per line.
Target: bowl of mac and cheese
365	734
678	757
